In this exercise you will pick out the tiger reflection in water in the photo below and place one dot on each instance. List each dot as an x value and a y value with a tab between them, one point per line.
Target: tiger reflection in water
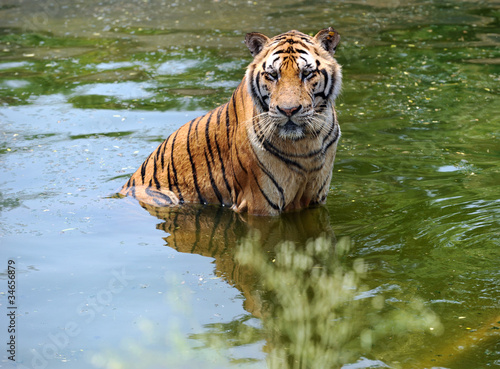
216	232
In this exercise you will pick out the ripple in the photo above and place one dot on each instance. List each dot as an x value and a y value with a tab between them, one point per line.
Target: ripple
123	90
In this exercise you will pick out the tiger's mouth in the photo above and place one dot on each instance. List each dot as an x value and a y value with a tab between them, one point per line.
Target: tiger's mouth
291	130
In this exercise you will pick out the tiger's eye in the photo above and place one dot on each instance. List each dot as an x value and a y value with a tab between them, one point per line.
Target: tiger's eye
306	73
273	74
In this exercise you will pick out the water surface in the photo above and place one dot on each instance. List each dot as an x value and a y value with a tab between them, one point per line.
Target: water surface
403	268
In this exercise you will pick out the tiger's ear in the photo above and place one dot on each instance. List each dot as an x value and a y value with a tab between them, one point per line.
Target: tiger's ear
328	38
255	42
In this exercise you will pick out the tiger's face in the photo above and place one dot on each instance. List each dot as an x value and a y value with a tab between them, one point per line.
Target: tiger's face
294	80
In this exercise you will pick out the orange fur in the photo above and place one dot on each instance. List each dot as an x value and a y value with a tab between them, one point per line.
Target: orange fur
270	148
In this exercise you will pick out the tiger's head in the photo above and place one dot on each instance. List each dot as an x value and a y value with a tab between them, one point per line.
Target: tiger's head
294	80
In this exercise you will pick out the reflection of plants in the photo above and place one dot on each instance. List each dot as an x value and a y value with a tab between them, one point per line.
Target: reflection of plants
316	315
308	297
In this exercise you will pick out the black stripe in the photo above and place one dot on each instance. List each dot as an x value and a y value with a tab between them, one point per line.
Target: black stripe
334	139
294	42
219	113
133	188
168	177
163	159
239	161
327	79
212	180
143	169
236	192
198	232
324	94
262	99
235	177
215	230
306	40
193	166
291	155
242	98
158	149
157	183
283	155
234	106
320	94
323	84
155	195
323	185
198	120
289	39
165	144
228	240
222	166
272	204
330	131
207	135
210	151
304	59
228	125
271	177
270	148
320	108
176	180
256	91
274	151
175	224
219	152
318	168
211	243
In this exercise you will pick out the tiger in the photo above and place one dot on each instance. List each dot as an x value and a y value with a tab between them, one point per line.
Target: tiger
270	148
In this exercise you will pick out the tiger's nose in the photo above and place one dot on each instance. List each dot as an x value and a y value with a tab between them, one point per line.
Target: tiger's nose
289	111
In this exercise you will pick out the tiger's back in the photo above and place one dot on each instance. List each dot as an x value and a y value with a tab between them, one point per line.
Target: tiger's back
270	148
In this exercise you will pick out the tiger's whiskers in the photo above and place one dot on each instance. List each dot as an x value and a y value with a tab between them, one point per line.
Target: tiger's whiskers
263	128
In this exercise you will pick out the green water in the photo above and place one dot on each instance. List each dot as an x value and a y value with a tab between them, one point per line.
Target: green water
403	270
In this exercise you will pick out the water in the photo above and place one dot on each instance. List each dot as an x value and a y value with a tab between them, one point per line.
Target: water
411	225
